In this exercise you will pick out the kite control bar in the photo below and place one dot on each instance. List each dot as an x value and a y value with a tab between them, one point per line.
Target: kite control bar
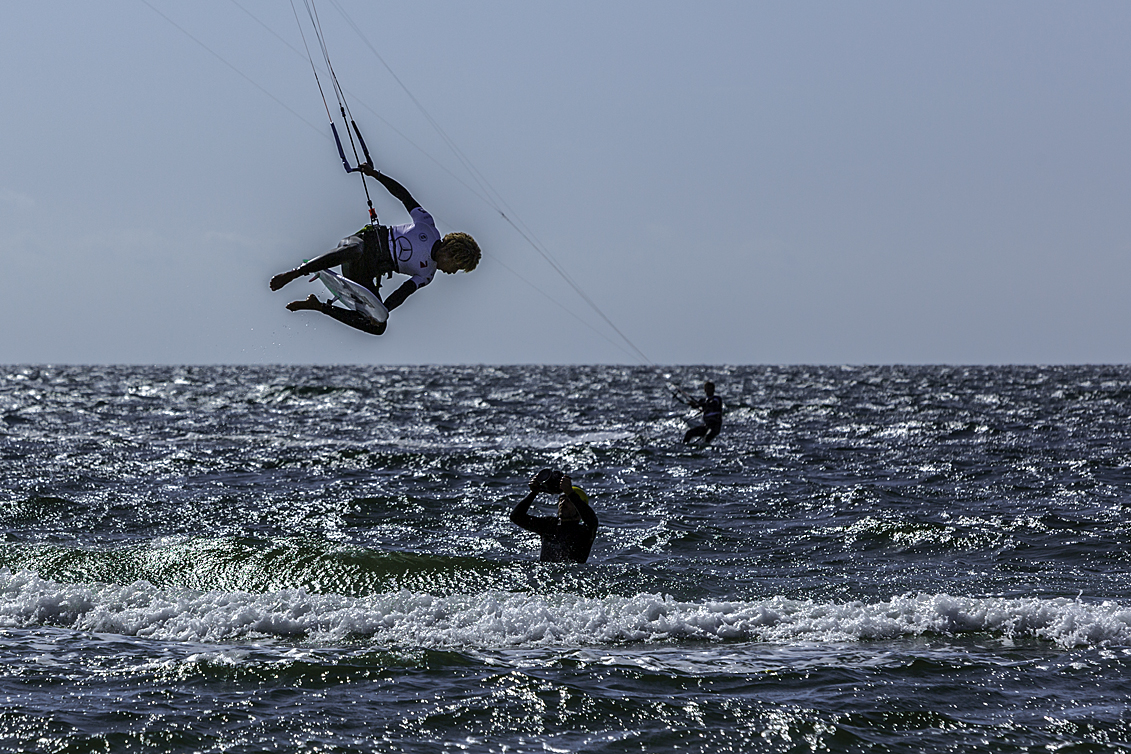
679	395
346	163
341	105
342	151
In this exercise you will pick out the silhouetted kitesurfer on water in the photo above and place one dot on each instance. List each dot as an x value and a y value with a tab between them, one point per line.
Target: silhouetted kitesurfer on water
415	249
712	408
568	536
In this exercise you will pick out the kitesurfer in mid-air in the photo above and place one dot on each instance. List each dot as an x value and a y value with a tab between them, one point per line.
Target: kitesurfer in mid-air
568	536
415	249
712	408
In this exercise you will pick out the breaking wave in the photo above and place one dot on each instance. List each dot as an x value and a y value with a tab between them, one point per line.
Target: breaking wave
497	619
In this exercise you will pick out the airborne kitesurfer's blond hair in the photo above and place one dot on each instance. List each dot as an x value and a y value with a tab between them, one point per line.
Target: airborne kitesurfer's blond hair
463	249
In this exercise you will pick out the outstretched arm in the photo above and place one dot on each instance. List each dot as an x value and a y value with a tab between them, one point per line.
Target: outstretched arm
397	297
397	190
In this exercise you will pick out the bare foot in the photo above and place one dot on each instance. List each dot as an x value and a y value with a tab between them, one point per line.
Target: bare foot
310	302
283	278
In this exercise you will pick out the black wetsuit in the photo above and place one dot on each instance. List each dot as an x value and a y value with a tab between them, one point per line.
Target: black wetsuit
712	409
562	541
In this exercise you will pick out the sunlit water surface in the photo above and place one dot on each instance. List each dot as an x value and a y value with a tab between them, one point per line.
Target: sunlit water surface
248	559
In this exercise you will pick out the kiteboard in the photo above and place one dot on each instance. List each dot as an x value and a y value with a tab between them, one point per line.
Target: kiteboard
355	296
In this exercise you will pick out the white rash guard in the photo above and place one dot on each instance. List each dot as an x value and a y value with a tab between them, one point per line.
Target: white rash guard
411	247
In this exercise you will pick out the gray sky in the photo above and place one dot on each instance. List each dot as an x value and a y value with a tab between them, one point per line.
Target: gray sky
730	182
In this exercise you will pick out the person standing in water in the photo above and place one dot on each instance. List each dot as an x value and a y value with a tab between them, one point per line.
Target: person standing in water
415	249
712	408
567	537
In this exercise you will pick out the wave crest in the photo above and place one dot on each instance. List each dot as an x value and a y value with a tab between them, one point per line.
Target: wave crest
498	619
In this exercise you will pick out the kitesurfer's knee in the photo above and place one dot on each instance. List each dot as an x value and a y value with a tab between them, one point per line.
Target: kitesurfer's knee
349	249
361	322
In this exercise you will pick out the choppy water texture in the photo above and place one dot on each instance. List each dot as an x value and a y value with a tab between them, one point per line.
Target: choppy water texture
319	559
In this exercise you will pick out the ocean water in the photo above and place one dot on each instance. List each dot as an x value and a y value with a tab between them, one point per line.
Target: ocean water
319	559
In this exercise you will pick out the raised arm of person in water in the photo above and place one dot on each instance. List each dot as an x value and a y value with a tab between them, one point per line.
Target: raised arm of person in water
568	536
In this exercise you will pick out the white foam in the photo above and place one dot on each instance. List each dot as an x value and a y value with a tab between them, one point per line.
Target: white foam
509	619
